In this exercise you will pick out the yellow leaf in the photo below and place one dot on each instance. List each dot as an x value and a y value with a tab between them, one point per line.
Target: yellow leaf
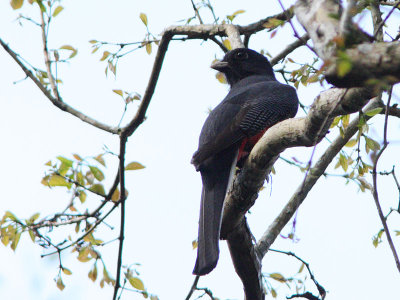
105	55
148	48
277	276
16	4
134	166
137	283
374	111
301	268
115	196
60	284
77	157
57	180
227	44
57	10
143	17
273	293
66	271
194	244
118	92
240	11
221	77
351	143
100	159
345	120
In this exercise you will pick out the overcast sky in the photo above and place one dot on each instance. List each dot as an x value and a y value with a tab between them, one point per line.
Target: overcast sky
335	224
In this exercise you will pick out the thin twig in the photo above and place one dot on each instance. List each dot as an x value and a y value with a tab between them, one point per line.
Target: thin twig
290	48
376	31
60	104
193	288
375	184
123	140
47	58
321	289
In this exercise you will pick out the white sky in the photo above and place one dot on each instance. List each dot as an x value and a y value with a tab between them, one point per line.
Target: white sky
335	224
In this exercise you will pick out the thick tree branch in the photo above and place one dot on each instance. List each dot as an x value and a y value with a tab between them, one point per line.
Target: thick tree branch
368	61
290	133
312	177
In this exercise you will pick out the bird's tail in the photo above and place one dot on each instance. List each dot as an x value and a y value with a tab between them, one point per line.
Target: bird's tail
212	202
209	228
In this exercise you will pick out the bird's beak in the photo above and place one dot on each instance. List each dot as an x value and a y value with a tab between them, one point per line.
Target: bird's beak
219	65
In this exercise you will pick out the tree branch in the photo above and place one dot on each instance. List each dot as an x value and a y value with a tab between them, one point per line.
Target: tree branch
375	185
60	104
289	49
315	173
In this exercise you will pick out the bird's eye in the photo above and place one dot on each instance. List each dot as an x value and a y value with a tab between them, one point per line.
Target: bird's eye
241	55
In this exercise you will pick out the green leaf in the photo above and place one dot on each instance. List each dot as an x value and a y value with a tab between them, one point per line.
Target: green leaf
32	235
143	17
57	10
66	161
373	145
15	241
57	180
82	196
134	166
98	189
137	283
344	64
42	7
375	242
16	4
374	111
98	174
10	215
335	122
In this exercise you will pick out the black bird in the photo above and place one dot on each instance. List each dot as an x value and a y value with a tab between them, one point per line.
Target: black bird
255	102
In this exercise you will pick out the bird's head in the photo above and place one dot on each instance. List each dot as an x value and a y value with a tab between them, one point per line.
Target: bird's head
241	63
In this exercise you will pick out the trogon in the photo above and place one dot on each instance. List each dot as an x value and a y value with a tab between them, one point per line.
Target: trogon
255	102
